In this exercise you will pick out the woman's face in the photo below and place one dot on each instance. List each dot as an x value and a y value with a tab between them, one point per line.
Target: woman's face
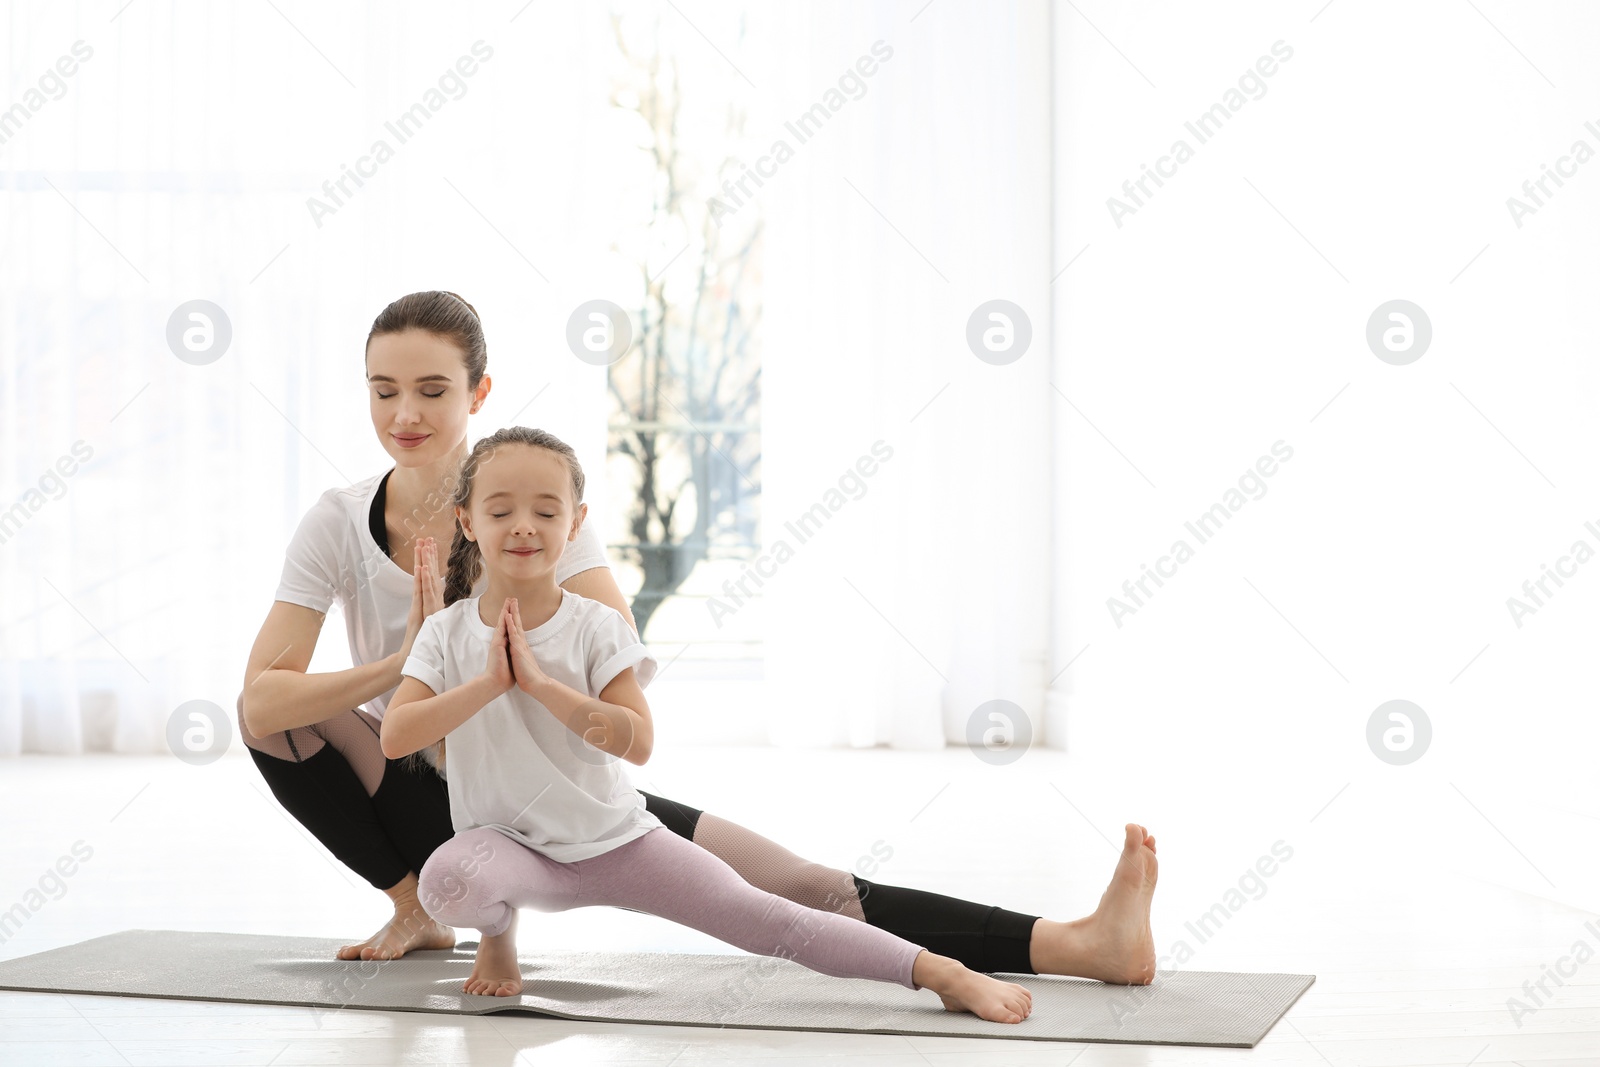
417	383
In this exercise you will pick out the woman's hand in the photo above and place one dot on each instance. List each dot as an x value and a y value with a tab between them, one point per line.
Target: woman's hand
498	666
427	591
530	677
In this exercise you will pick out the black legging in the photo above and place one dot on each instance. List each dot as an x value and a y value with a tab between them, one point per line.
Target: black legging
391	833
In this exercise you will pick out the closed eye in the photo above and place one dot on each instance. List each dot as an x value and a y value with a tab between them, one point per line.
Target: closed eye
430	396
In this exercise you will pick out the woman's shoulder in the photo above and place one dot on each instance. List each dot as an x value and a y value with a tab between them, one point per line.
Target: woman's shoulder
343	502
328	535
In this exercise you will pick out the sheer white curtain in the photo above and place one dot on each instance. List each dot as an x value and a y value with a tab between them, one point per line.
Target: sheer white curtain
923	594
177	163
147	500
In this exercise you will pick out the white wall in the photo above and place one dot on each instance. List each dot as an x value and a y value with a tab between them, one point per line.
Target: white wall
1229	313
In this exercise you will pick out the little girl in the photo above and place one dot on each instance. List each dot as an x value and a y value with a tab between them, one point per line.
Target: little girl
536	721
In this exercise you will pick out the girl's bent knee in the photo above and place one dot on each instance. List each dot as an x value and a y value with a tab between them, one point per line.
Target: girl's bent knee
451	885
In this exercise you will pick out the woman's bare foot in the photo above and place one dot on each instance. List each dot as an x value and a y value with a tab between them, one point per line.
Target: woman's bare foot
1114	944
401	934
410	928
963	990
495	971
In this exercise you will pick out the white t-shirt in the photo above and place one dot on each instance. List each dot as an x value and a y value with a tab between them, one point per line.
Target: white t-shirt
332	556
513	765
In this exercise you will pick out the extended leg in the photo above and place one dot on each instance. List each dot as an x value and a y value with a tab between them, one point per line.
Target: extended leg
665	875
1113	944
983	937
480	877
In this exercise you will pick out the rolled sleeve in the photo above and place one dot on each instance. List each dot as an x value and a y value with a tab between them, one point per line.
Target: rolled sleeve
612	649
423	673
636	656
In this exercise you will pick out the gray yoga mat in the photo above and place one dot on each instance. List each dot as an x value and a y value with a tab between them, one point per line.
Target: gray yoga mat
1216	1008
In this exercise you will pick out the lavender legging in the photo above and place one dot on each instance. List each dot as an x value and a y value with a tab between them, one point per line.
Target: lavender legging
479	877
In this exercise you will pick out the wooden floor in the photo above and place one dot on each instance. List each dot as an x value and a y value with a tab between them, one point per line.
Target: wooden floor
1415	954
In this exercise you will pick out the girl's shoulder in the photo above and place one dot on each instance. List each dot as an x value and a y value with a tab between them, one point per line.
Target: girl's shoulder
599	626
590	612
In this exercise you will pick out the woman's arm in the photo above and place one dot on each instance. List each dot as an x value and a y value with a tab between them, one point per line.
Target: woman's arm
416	717
597	583
280	695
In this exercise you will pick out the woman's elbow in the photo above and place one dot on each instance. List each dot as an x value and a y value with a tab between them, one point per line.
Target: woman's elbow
247	721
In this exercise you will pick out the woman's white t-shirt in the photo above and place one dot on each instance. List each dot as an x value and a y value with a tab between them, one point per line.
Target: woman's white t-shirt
332	556
513	765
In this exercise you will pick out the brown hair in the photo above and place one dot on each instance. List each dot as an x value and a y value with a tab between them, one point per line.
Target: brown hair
443	314
466	559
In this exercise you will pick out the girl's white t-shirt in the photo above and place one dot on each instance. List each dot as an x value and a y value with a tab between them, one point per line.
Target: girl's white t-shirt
332	556
513	765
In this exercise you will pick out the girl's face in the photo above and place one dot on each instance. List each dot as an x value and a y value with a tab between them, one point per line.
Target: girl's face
521	512
417	383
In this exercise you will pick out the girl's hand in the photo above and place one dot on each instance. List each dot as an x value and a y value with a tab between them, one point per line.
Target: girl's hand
498	666
530	677
427	591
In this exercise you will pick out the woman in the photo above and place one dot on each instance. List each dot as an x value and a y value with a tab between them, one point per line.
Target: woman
426	364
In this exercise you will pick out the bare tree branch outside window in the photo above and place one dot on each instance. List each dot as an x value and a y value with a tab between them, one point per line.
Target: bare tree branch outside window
686	414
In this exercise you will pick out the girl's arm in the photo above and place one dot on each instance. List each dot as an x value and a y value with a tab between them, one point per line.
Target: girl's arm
618	723
416	717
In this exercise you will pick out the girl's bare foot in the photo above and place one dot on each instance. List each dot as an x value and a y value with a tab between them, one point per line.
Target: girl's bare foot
1114	944
495	971
410	928
964	990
